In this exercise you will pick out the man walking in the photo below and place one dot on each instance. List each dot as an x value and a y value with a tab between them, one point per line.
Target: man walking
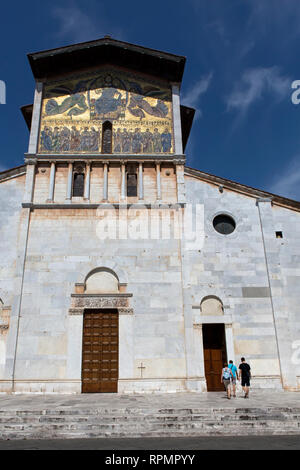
234	377
226	375
245	374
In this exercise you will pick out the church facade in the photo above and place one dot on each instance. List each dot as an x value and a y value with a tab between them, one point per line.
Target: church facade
122	270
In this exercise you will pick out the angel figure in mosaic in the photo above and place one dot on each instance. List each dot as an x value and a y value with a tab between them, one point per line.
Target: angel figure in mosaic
75	104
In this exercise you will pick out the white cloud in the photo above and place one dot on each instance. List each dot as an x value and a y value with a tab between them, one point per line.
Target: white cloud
77	26
288	182
192	96
255	83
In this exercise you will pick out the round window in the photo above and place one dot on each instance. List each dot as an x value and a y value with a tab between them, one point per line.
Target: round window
224	224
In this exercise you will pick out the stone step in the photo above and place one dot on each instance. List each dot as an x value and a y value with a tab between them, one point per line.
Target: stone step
17	419
150	426
149	412
89	422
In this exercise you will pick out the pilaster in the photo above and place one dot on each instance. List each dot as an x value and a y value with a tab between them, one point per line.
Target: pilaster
35	121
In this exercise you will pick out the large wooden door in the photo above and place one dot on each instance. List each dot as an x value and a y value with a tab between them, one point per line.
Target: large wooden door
100	351
213	364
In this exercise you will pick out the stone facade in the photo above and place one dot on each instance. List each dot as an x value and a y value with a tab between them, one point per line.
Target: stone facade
52	242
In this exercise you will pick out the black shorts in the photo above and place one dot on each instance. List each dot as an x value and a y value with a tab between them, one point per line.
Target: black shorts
245	382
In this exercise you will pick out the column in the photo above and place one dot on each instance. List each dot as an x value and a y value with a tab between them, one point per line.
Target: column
105	181
123	183
51	183
87	181
158	185
141	185
69	184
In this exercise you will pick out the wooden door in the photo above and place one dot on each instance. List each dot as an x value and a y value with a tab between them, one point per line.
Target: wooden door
100	351
213	363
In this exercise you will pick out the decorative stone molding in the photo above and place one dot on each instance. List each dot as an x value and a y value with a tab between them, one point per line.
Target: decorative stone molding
30	161
125	311
98	301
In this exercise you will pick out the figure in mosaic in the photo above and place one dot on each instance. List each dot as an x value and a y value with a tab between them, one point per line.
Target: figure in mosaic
75	140
137	140
147	141
46	139
65	138
166	141
138	106
94	140
118	141
75	103
108	102
156	141
56	140
126	141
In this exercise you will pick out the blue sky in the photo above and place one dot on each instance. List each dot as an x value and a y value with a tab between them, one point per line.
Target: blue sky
242	57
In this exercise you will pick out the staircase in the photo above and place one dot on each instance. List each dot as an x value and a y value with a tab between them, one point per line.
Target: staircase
137	422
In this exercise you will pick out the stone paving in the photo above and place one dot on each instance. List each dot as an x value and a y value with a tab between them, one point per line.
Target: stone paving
258	399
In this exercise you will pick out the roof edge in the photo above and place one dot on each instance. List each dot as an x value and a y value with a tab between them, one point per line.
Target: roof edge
105	40
11	172
244	189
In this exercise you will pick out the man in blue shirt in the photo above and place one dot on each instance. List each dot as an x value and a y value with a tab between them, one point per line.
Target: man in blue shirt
234	377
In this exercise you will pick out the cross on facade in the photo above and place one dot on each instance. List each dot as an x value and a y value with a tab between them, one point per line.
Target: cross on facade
141	367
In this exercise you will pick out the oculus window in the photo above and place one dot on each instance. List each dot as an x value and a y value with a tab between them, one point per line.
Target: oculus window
224	224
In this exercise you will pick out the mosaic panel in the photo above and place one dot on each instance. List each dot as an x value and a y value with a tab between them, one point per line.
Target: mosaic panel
74	111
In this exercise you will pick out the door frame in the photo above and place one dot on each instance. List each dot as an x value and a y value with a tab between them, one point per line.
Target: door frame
222	347
113	311
198	322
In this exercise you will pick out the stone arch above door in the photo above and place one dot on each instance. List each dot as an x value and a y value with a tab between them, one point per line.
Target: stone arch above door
101	288
101	281
211	305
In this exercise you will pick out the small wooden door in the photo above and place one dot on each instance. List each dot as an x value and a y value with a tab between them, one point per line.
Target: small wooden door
213	363
100	351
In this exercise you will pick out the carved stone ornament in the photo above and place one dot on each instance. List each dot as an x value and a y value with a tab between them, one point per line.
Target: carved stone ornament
125	311
80	302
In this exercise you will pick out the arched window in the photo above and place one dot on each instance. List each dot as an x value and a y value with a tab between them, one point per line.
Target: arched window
78	184
107	137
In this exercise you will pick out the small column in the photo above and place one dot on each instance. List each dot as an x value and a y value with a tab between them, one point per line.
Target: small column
105	182
158	185
123	183
87	181
141	185
69	184
52	182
